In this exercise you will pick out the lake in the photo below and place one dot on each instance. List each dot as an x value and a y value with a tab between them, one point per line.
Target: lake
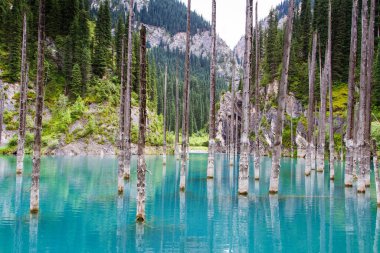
80	210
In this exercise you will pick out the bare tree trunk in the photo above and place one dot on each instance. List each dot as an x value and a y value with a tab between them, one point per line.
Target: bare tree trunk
176	148
141	166
277	144
310	112
361	142
127	128
23	97
370	61
233	122
348	178
165	90
211	143
291	132
376	169
35	188
331	116
257	100
120	180
186	96
244	143
1	110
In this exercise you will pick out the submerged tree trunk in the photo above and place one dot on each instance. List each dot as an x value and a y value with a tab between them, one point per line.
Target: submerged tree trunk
331	118
233	122
120	178
127	127
348	178
310	112
361	141
176	148
186	96
370	61
376	169
35	188
211	143
141	165
244	142
23	98
277	144
165	90
257	99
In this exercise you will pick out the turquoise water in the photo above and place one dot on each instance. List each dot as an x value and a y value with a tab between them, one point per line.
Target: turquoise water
81	212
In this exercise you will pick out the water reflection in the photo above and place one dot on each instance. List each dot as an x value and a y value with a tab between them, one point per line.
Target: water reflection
33	234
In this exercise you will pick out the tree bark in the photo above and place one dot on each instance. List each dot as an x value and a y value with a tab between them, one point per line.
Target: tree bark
277	145
361	141
186	107
35	188
349	140
211	143
1	110
141	166
176	147
23	98
257	99
376	169
233	122
120	180
310	112
244	145
127	128
165	90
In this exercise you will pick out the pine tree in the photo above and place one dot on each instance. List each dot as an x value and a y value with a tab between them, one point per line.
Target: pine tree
76	81
305	28
272	50
14	37
120	31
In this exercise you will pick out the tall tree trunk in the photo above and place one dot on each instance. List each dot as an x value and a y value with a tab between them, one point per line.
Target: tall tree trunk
35	188
348	178
165	90
331	116
370	61
244	145
176	147
233	122
186	107
120	180
127	110
211	143
1	110
141	166
291	132
310	112
376	169
257	99
361	142
23	99
277	145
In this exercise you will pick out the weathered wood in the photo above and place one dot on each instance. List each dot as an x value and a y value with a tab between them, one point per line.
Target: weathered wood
35	188
233	122
23	99
141	166
244	143
1	110
278	127
349	139
127	128
165	109
211	143
310	112
176	147
120	181
186	104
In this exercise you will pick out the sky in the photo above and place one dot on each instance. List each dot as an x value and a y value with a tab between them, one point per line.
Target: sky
230	16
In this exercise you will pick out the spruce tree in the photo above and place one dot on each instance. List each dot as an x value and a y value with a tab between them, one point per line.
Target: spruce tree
376	79
272	46
14	38
120	31
76	80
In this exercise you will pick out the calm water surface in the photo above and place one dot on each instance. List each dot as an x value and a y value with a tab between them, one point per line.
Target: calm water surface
81	212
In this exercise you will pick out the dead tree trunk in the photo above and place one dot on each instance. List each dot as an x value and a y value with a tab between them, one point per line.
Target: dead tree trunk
165	103
277	144
211	143
244	145
232	141
349	140
186	107
376	169
257	99
176	148
127	127
361	141
141	166
35	188
120	180
23	98
1	110
310	112
370	61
